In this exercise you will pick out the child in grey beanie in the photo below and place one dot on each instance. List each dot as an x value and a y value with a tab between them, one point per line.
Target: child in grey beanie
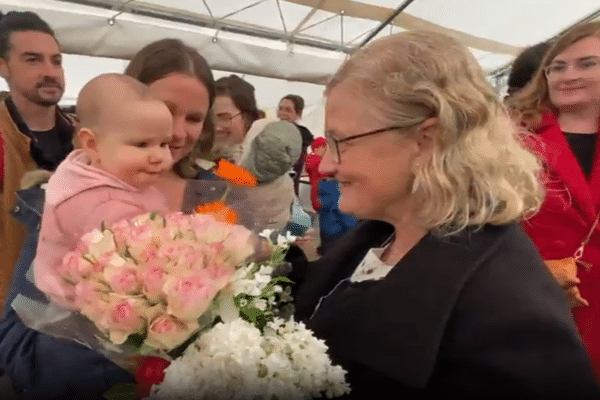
269	157
274	151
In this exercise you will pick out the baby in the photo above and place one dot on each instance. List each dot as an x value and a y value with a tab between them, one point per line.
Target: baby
124	137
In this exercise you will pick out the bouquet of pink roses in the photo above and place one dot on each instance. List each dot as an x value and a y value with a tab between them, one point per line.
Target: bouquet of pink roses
148	285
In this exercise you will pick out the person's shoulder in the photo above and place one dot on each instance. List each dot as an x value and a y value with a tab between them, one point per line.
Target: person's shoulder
510	270
509	243
6	113
305	132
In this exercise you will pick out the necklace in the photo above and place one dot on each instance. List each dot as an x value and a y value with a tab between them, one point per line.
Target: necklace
385	254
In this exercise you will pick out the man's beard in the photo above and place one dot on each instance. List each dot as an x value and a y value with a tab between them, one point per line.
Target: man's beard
35	97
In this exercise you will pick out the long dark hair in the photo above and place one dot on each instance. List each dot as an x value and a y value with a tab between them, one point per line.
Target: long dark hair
242	95
169	56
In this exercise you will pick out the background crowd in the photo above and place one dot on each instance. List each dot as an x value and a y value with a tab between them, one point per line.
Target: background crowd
458	230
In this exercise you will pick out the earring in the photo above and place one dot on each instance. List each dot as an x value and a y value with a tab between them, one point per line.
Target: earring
415	183
415	186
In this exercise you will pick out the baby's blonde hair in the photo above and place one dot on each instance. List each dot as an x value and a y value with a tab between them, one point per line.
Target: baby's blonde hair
479	172
104	95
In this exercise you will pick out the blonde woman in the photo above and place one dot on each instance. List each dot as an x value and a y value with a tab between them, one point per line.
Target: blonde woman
562	106
439	292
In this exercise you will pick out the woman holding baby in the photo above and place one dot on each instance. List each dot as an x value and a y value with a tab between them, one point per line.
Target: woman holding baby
41	366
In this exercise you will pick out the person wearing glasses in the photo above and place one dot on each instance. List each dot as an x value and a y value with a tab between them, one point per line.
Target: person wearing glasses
562	107
234	113
438	292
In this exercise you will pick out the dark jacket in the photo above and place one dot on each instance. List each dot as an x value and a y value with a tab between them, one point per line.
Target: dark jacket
38	365
307	138
475	316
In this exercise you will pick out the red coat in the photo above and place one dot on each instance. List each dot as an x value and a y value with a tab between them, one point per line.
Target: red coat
314	176
565	219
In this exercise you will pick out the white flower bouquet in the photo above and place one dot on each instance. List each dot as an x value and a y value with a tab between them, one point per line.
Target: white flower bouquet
257	350
182	287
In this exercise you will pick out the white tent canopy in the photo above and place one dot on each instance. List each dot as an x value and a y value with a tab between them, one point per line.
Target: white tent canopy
293	40
300	40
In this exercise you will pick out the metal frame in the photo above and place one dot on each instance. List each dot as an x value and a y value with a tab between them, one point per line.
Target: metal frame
220	24
388	21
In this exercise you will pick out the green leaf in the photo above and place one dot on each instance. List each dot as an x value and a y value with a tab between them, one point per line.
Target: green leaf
136	339
121	391
255	317
250	314
280	279
262	371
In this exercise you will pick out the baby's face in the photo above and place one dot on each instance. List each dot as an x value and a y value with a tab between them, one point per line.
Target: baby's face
136	148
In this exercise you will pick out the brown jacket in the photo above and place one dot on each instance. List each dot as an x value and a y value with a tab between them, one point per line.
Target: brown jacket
17	161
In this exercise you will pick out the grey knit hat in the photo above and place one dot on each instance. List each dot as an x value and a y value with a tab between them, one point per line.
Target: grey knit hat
273	151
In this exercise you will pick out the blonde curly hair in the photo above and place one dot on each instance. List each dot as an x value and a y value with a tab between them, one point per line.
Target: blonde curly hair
479	172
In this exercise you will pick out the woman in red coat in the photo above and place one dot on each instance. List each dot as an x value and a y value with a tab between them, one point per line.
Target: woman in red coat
562	105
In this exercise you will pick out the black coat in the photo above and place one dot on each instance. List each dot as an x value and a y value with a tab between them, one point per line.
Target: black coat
477	316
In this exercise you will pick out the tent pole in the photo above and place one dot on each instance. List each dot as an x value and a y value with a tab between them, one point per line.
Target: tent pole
386	22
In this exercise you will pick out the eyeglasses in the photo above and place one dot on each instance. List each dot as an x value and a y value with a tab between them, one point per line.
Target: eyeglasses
583	65
225	118
333	145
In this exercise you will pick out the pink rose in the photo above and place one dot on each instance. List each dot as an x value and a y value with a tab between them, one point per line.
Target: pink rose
217	248
141	244
178	220
188	257
209	230
123	317
98	243
101	262
178	226
190	296
220	274
153	220
153	280
149	253
81	248
91	299
167	332
239	245
122	233
73	268
169	249
123	278
141	233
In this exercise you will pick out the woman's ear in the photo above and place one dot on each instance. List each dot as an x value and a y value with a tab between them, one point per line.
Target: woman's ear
426	133
87	141
425	138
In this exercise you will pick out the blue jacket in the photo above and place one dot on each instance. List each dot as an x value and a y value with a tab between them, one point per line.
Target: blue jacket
41	366
332	221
